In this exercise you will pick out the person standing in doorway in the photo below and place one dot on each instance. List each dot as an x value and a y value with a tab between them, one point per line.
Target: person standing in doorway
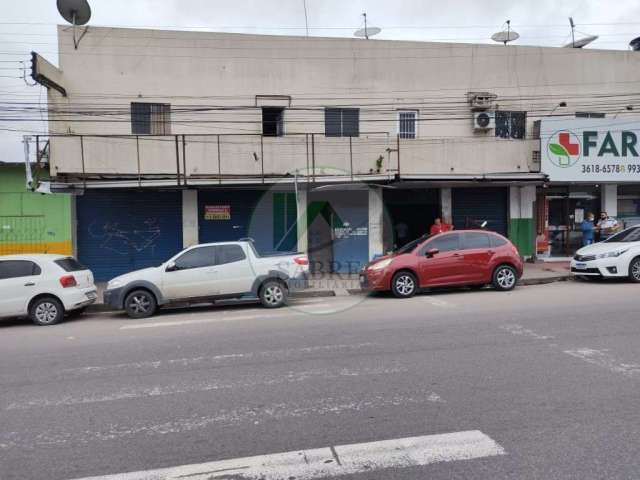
588	229
439	226
607	226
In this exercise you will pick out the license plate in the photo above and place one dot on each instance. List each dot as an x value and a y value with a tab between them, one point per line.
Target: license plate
581	266
92	295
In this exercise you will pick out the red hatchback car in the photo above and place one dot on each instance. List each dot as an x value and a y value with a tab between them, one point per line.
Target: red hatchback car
463	257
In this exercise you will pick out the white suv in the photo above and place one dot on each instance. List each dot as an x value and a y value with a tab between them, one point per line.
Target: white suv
44	287
209	272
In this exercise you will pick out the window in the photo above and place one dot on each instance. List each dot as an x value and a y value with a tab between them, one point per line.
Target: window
70	264
446	243
473	240
408	124
342	122
511	124
630	235
272	121
229	254
590	115
197	258
497	241
18	268
150	118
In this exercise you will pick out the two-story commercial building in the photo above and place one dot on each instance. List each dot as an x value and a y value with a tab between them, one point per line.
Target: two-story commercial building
339	147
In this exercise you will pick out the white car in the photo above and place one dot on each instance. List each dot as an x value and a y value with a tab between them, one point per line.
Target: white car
209	272
616	257
44	287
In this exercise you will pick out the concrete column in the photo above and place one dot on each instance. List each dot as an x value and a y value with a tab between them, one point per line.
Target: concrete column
521	215
376	215
609	199
446	204
302	227
190	234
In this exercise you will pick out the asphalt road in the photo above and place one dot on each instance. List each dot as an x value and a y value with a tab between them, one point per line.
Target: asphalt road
549	374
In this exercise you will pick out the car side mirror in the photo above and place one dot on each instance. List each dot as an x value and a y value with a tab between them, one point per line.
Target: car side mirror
171	267
432	252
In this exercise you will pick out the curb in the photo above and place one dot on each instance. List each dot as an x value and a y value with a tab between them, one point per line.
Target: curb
541	281
102	308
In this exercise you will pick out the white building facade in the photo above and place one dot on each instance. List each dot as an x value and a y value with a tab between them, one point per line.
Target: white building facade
343	148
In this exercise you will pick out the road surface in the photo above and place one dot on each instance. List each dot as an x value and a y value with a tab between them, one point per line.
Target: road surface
539	383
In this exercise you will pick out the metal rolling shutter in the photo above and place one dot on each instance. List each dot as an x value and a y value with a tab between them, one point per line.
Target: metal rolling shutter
124	230
490	204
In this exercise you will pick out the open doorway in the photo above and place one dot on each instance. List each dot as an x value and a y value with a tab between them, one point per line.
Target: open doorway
409	214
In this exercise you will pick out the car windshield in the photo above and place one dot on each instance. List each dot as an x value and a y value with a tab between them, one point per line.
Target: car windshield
629	235
410	247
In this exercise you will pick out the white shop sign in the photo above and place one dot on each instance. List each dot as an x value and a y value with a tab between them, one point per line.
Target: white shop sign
591	149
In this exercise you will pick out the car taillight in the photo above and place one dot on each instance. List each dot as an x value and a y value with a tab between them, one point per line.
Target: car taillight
68	281
301	260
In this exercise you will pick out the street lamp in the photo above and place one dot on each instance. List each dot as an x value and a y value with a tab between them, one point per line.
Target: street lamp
561	104
628	108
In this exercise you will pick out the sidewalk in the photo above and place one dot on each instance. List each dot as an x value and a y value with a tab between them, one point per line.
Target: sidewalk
348	284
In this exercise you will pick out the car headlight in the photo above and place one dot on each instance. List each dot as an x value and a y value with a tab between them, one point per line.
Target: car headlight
613	254
114	284
381	264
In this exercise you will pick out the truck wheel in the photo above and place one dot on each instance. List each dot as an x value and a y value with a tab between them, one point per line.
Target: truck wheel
140	304
46	311
273	294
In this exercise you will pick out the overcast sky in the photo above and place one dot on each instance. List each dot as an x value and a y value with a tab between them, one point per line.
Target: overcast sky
30	25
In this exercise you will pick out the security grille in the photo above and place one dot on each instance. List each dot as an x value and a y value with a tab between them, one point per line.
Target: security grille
407	124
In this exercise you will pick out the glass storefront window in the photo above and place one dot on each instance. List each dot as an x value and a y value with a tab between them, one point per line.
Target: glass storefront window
629	204
568	206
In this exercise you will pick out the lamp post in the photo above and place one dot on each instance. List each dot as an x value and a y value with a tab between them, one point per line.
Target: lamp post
628	108
561	104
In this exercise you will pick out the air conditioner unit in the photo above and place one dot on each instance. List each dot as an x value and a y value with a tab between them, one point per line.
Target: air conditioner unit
483	121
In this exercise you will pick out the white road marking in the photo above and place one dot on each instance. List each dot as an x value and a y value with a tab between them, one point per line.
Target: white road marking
437	302
333	461
132	393
213	359
516	329
255	415
196	321
604	359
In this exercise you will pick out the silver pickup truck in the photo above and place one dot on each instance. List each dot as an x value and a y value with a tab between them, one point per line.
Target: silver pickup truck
209	272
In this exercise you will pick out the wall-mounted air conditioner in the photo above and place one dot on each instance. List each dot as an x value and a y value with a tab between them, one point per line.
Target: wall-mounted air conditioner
483	121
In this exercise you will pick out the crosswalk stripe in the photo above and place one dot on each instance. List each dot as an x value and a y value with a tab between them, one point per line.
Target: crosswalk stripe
333	461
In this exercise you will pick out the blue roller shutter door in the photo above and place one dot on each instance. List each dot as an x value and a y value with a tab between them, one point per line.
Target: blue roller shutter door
123	230
266	216
478	204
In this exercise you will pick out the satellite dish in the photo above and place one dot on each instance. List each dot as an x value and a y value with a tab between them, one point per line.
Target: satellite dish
635	44
581	42
366	32
506	36
76	12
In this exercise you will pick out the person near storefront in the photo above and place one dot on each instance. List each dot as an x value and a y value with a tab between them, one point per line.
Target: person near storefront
588	229
606	226
439	226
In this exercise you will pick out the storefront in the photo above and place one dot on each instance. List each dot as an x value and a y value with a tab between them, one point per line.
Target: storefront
123	230
338	230
593	166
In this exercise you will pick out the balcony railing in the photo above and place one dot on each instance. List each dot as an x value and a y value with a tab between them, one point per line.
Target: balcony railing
219	158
